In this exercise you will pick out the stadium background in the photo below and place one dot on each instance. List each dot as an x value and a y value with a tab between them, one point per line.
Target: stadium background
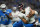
34	4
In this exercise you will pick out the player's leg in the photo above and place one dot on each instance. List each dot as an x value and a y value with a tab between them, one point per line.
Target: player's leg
10	25
18	24
28	25
3	25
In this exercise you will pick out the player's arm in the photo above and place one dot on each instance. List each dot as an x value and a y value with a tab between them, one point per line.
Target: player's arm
31	13
9	16
28	12
36	18
36	13
23	18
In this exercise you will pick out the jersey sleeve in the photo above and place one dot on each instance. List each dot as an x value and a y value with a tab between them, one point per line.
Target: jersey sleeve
20	14
36	12
23	15
27	11
9	11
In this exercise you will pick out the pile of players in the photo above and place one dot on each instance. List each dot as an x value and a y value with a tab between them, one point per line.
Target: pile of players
18	17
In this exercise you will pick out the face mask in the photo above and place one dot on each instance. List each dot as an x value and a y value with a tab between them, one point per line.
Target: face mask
4	10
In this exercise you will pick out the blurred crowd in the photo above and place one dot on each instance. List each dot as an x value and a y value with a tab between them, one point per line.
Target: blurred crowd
34	4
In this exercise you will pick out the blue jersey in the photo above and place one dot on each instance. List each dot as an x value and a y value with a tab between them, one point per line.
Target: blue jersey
39	19
4	19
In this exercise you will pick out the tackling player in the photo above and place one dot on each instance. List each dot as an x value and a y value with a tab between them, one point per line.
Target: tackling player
30	14
16	19
16	15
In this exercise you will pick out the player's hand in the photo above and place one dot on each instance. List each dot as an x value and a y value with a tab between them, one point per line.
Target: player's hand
6	14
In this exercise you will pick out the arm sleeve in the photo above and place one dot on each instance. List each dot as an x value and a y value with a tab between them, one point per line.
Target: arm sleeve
27	11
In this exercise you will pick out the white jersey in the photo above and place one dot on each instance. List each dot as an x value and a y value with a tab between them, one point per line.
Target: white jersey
15	16
27	11
18	14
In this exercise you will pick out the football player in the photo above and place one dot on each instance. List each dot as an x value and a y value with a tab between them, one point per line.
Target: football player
30	14
18	17
4	15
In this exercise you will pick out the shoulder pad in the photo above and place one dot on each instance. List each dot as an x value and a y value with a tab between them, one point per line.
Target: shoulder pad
9	10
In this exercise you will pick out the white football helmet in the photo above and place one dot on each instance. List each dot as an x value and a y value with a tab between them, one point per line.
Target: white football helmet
3	6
